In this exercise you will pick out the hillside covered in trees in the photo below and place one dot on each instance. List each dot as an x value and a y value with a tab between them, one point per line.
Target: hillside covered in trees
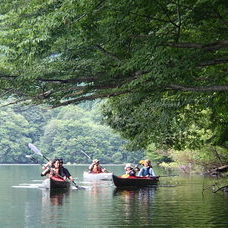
73	133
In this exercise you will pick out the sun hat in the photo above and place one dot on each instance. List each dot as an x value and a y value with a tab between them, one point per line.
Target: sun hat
141	162
95	161
128	165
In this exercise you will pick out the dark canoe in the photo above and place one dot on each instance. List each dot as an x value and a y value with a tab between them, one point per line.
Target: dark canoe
58	183
134	181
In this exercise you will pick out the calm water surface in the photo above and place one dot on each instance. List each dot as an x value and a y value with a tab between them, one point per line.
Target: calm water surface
175	202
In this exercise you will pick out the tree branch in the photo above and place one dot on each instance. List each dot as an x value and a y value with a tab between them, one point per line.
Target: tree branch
91	97
214	62
166	11
107	52
199	89
221	44
150	17
13	103
179	21
71	80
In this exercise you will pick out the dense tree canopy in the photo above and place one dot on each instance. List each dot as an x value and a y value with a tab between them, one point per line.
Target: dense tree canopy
65	51
165	62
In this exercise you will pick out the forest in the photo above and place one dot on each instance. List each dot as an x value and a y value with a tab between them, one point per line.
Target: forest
161	67
73	133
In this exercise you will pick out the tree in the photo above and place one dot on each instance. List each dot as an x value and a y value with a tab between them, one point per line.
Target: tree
158	57
75	136
62	52
14	136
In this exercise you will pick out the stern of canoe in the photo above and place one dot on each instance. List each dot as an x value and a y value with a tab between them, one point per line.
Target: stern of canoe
134	182
57	183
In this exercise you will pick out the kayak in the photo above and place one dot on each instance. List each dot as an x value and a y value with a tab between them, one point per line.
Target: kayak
121	182
97	176
57	183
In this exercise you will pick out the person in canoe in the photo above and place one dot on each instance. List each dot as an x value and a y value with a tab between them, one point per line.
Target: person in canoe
95	167
146	170
129	171
47	168
56	169
64	172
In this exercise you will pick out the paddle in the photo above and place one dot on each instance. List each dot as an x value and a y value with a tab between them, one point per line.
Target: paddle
32	158
38	152
86	155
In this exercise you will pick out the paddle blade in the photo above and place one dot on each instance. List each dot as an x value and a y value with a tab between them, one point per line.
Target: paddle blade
34	149
28	156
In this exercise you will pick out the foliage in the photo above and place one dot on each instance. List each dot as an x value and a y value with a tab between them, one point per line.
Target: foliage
74	135
14	136
166	61
61	52
204	159
69	132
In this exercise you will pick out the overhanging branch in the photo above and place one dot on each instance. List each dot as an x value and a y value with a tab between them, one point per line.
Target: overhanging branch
214	62
221	44
199	89
91	97
107	52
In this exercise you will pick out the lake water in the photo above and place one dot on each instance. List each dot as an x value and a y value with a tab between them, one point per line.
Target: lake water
175	202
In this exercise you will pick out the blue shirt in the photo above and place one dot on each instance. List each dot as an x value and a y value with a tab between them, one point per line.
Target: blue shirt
144	171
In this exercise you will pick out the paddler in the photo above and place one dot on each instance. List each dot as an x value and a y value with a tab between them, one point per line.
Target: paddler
95	167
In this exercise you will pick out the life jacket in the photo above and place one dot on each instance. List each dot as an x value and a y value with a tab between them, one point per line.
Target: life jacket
55	172
125	175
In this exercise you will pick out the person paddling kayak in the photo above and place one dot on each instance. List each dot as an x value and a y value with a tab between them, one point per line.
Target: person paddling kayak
57	169
95	167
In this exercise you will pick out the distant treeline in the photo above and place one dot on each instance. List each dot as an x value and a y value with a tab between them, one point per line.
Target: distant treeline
74	133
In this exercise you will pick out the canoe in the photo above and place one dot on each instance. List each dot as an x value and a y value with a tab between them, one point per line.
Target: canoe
97	176
134	181
57	183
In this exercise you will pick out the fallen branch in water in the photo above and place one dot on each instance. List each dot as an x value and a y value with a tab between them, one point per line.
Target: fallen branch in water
217	171
223	188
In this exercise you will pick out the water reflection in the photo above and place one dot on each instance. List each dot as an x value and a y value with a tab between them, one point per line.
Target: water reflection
53	198
57	198
145	194
52	202
137	204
